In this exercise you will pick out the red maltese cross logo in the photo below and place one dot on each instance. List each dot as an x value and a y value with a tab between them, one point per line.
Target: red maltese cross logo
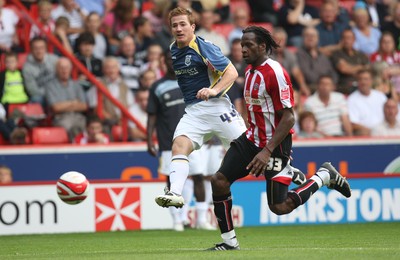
117	208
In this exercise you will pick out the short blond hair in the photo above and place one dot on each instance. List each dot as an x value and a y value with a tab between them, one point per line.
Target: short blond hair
181	11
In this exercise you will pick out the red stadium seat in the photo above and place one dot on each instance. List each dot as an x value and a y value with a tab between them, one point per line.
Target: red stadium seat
32	110
348	5
267	26
49	135
116	133
22	59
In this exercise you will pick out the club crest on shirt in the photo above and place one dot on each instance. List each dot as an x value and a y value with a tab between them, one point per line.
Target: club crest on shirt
285	93
256	86
188	60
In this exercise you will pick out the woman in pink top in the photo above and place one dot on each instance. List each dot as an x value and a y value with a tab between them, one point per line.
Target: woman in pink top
119	22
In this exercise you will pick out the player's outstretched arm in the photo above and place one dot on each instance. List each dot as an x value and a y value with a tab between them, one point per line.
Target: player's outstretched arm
228	77
151	123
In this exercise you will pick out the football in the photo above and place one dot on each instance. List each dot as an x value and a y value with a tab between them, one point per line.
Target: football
72	187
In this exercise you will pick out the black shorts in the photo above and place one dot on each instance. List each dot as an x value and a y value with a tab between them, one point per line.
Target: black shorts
242	152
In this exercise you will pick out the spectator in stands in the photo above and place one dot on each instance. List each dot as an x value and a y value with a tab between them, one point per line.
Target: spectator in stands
288	60
146	79
388	54
38	69
195	6
297	109
263	11
12	87
61	33
365	105
391	125
348	62
6	175
154	56
330	109
143	36
139	111
44	19
9	128
93	133
118	23
97	6
66	99
164	37
342	15
117	88
156	14
75	15
220	8
330	28
101	45
308	126
129	66
206	31
367	36
312	62
8	29
241	20
393	26
378	11
381	82
85	45
294	15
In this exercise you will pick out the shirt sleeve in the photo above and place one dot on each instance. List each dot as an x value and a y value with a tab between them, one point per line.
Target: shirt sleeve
153	102
213	54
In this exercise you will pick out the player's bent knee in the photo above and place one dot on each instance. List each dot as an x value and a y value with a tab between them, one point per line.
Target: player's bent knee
280	209
220	184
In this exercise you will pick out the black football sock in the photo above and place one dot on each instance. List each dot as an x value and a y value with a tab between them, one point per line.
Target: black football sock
303	192
222	210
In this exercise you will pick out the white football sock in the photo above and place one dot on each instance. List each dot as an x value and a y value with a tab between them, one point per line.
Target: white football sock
187	194
176	215
201	209
230	238
208	191
318	180
324	175
179	171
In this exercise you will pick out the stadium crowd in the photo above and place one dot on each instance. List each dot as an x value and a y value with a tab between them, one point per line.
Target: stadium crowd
343	57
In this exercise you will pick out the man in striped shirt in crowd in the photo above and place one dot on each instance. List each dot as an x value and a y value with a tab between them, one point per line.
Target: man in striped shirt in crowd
264	149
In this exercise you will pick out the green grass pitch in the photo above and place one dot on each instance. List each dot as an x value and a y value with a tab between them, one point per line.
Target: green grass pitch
342	241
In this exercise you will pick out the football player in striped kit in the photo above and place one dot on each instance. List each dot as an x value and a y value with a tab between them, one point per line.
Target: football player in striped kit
265	148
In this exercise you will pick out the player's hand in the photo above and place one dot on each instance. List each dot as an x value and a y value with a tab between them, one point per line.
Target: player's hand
152	150
206	93
259	163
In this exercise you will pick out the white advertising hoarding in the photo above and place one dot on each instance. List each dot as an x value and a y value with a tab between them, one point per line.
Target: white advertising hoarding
33	209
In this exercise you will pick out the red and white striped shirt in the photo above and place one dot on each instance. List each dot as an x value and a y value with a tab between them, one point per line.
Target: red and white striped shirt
267	89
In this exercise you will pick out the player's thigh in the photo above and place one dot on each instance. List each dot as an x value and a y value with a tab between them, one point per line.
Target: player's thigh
236	159
191	127
276	192
228	130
